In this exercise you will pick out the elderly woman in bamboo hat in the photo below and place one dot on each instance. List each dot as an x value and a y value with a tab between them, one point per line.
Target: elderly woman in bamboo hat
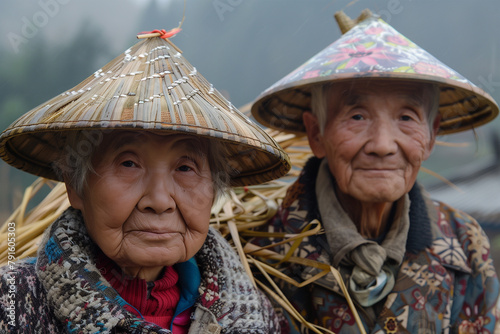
371	105
144	145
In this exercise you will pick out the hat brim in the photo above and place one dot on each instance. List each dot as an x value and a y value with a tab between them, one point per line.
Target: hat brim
461	106
252	162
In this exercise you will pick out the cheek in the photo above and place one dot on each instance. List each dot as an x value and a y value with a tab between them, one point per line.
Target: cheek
342	141
105	225
108	205
197	191
195	208
417	149
341	151
195	203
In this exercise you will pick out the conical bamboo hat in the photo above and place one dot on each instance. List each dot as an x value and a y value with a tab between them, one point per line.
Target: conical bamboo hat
373	50
151	86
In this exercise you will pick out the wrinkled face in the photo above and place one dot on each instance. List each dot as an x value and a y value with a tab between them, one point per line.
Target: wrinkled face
375	139
148	204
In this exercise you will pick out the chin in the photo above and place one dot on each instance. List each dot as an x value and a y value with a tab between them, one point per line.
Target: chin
381	196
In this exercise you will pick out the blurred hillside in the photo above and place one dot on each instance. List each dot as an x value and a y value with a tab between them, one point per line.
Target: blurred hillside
241	46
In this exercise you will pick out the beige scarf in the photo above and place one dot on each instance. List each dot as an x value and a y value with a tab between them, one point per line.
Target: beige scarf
374	265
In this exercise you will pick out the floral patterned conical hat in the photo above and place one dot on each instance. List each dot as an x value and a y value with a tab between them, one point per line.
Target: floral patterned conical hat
149	87
373	49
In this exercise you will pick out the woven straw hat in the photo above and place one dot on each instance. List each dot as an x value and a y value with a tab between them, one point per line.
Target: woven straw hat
151	86
372	49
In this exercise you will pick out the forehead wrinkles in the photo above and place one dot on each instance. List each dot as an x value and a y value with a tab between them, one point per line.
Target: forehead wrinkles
184	143
192	146
351	94
117	141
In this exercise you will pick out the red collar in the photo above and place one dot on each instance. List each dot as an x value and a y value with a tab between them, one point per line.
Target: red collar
155	301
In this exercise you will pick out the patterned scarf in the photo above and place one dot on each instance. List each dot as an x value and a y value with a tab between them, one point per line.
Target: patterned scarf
82	299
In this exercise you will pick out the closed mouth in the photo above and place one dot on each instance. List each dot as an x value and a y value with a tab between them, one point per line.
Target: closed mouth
166	234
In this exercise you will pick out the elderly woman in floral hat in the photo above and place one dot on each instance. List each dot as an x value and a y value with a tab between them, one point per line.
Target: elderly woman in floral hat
372	104
144	146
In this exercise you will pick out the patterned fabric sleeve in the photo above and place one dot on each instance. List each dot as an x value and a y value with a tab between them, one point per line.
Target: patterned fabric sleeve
276	320
138	326
23	308
8	307
475	297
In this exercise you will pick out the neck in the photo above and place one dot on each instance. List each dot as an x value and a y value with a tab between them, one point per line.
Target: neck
149	274
371	219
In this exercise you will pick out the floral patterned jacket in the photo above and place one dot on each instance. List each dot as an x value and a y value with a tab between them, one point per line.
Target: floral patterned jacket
446	283
62	291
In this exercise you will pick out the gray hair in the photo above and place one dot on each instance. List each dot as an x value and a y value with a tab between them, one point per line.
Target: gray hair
319	102
75	161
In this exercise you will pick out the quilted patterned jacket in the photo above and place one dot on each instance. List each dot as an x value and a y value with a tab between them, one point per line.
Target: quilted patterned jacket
62	291
446	283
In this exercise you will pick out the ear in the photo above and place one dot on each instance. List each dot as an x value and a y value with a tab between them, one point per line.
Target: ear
432	141
75	199
313	134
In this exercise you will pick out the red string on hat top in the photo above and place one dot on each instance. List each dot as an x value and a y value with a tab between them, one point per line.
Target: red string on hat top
159	33
162	33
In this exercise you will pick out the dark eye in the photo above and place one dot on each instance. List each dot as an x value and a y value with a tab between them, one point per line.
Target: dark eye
406	118
184	168
128	163
357	117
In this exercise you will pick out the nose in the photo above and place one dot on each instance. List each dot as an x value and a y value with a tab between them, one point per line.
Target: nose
159	194
382	138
